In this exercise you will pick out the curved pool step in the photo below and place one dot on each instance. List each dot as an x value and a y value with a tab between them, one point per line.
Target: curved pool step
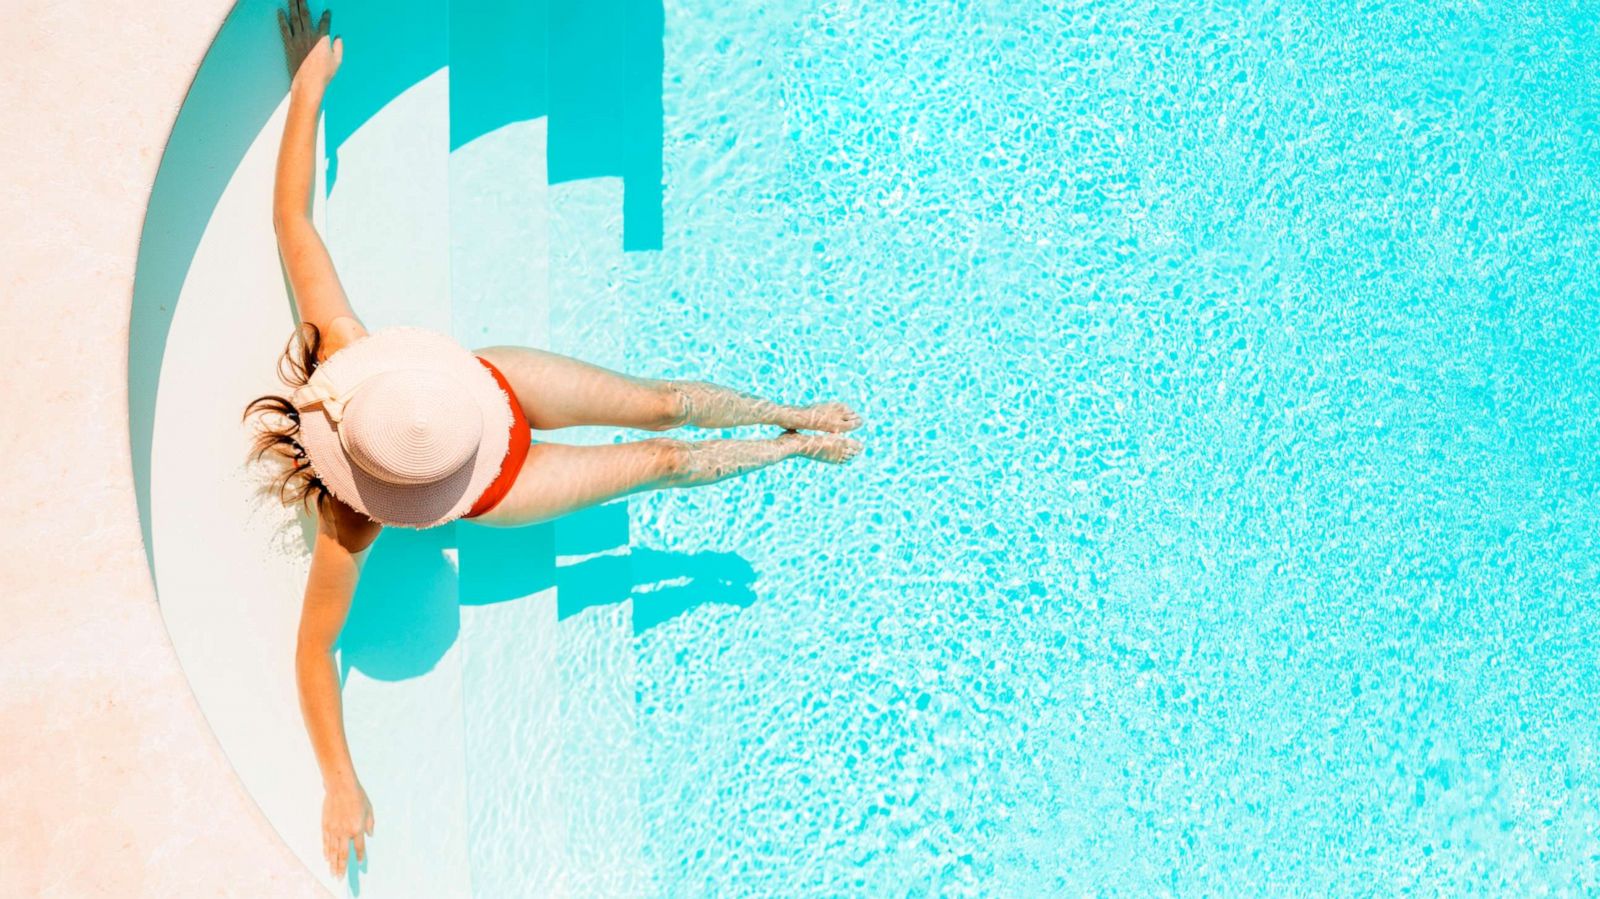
548	684
588	315
388	224
511	691
230	562
485	726
546	633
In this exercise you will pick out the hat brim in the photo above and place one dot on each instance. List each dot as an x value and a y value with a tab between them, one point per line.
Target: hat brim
410	505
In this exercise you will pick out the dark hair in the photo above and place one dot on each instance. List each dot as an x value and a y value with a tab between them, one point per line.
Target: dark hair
278	421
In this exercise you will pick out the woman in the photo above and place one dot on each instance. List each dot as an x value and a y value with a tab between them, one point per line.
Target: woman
405	427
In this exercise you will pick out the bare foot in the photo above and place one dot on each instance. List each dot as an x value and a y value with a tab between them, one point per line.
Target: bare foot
831	417
822	447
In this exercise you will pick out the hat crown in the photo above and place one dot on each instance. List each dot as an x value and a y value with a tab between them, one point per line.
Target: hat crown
410	426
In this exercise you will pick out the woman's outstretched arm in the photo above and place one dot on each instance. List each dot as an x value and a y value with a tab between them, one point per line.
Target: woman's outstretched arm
343	536
313	58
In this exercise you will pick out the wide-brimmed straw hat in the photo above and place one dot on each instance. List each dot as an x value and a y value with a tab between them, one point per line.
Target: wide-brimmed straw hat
405	425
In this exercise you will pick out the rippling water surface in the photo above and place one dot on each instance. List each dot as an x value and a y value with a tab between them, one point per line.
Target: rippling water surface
1228	516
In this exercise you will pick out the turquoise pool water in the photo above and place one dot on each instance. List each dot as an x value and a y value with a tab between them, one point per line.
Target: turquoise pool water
1228	519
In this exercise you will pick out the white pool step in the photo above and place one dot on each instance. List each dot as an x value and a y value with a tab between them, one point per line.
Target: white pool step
511	685
599	779
546	636
388	224
529	782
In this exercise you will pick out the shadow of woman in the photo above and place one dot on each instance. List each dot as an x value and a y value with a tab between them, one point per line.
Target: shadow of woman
406	613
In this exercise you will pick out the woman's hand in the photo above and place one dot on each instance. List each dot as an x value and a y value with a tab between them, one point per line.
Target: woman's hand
346	816
311	56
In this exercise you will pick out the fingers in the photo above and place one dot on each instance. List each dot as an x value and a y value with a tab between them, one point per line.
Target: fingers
361	848
283	27
302	16
324	23
369	822
341	854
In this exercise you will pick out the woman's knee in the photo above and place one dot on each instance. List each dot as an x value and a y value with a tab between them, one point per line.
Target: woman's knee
671	406
672	461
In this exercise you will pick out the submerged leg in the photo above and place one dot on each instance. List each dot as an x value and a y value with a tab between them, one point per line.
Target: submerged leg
557	478
557	391
714	406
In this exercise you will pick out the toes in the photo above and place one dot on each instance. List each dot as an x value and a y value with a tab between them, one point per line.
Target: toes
832	418
848	450
841	417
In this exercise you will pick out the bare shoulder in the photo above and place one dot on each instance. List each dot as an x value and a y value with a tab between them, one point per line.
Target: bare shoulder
340	333
353	530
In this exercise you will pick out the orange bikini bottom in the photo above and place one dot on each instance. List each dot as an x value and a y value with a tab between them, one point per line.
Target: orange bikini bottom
521	439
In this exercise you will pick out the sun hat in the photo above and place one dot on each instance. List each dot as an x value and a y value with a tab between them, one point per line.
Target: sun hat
405	426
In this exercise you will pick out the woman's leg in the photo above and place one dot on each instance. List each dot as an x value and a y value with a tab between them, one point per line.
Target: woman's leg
557	478
558	391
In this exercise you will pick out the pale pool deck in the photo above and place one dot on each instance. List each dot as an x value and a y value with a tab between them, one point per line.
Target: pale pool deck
113	782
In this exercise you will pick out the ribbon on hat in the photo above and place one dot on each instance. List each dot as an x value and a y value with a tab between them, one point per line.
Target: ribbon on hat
321	388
